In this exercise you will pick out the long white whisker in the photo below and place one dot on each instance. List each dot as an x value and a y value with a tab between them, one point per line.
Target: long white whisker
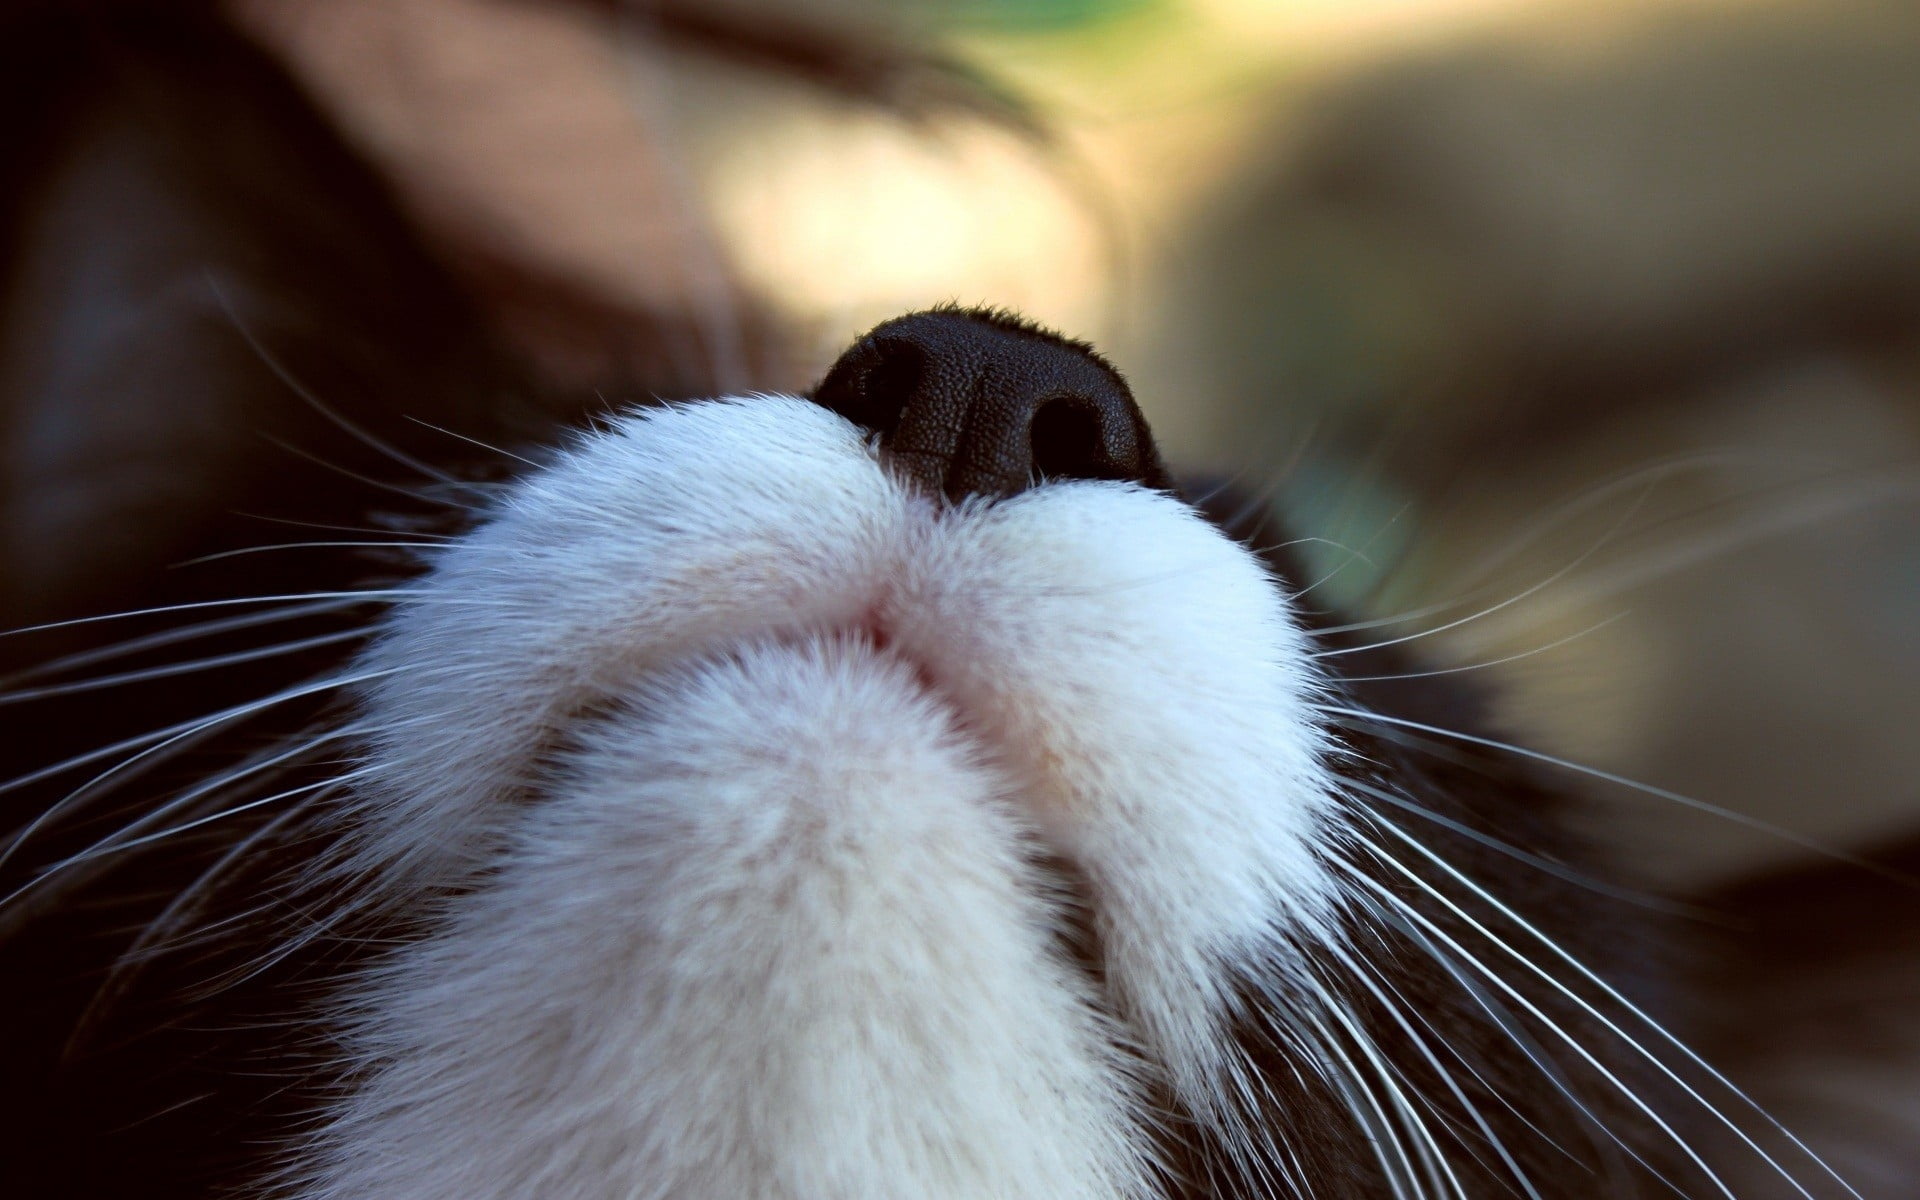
1395	1006
1272	1153
1473	577
473	441
186	730
720	331
1556	869
199	822
1333	1066
1495	662
246	550
182	668
298	388
1661	562
188	901
1256	502
1220	488
1578	561
369	480
107	751
183	908
1412	1011
1617	997
229	602
99	851
1517	1034
1252	1164
1439	1171
316	929
1355	555
289	521
1399	1168
167	637
1738	818
185	800
1573	1043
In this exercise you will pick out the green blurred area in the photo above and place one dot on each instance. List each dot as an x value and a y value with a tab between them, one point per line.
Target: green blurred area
1042	15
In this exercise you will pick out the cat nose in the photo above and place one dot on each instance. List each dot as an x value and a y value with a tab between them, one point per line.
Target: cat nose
979	403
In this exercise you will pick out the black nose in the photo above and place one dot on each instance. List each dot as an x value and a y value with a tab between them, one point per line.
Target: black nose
978	403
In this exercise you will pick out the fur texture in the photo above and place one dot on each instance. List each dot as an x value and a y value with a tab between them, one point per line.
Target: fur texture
784	886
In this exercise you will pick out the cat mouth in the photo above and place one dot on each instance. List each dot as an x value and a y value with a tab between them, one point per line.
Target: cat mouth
1090	634
840	717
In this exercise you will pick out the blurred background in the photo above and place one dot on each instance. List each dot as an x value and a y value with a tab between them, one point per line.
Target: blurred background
1581	337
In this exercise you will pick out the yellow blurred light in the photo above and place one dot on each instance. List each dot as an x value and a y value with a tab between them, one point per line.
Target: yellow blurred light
864	216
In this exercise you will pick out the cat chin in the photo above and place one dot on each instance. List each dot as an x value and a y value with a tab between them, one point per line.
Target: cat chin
747	782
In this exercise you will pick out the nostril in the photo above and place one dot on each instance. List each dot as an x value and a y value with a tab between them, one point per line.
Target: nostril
1067	442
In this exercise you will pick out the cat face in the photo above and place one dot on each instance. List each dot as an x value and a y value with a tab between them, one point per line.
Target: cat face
776	804
745	756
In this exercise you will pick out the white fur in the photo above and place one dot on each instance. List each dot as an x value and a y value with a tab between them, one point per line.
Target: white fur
772	937
769	927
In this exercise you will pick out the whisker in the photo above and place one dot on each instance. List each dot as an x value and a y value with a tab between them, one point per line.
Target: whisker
170	737
184	668
1396	1008
1287	1023
316	928
1219	489
1358	555
1250	1162
1474	576
1557	869
185	800
475	442
417	533
245	550
1403	1010
198	822
1311	541
365	594
1260	500
1488	611
167	637
1494	662
1572	1042
294	385
1617	997
1706	806
1400	1169
721	331
368	480
1250	1143
62	872
81	760
1536	1054
1436	1159
1649	474
185	905
1664	561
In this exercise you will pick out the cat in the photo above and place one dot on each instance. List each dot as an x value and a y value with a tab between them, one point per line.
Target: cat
903	785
